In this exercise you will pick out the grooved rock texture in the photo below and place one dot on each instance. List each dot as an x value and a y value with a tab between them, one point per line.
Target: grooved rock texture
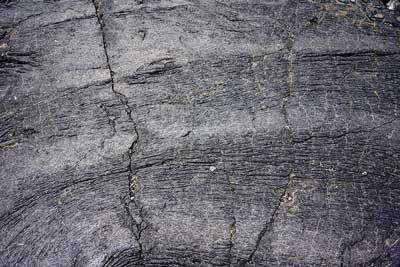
199	133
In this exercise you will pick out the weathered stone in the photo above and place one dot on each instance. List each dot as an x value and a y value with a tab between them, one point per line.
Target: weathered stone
199	133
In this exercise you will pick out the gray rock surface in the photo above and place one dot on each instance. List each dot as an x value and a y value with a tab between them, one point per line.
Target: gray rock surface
199	133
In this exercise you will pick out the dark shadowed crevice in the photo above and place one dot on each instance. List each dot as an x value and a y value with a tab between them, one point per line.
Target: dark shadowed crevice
137	224
122	98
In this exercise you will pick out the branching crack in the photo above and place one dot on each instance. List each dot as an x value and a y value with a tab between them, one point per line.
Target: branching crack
122	98
137	223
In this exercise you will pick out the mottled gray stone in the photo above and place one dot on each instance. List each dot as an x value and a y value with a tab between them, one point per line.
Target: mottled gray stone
199	133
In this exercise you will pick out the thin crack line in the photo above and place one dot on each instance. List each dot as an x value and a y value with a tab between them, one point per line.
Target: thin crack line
135	223
290	85
345	133
110	118
232	226
122	98
268	225
289	45
136	226
232	233
101	23
347	247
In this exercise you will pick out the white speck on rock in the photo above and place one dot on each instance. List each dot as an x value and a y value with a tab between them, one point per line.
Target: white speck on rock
212	168
392	4
364	173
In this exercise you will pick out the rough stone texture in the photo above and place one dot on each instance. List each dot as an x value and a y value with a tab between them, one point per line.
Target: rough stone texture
199	133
